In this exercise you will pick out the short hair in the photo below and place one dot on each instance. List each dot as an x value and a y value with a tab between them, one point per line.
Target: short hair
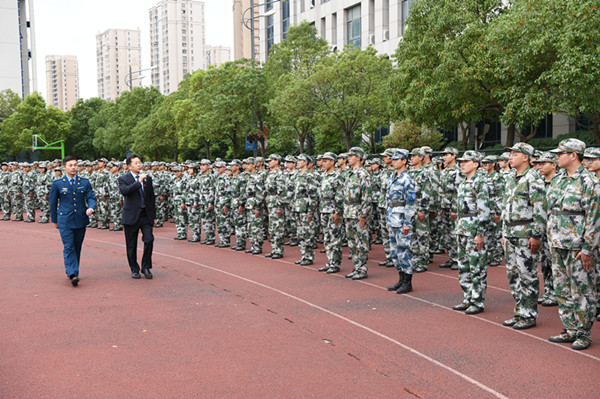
131	158
68	158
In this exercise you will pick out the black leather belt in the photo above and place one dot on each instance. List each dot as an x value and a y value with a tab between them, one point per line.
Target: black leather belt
464	215
568	213
394	204
519	222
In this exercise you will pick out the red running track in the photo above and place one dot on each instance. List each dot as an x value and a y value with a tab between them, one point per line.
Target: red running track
217	323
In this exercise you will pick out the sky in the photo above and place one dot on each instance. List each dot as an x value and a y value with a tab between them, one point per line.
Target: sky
69	27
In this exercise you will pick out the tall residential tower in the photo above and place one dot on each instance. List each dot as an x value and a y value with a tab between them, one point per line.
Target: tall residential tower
62	81
177	42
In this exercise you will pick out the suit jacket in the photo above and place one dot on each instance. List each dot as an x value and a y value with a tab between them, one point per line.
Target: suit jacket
132	199
68	204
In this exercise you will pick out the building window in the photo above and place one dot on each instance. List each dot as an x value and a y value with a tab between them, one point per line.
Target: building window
285	18
353	26
491	129
543	129
405	11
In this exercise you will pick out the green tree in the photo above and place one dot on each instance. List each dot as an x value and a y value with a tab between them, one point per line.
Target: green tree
79	141
9	101
156	135
408	135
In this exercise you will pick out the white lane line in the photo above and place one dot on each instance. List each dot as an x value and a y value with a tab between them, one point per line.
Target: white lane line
564	347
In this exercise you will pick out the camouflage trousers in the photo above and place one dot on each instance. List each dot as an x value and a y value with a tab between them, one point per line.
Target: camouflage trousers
495	250
401	253
435	227
472	271
521	269
29	207
385	234
316	223
207	217
45	209
223	225
256	232
239	224
162	211
420	243
374	228
305	235
545	257
102	213
332	239
358	243
575	291
116	212
290	222
448	239
277	231
180	216
194	221
5	206
17	206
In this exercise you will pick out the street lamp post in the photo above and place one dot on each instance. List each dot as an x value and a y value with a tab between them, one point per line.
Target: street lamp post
250	20
129	77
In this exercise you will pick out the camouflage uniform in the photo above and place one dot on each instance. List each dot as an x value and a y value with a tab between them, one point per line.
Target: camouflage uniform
29	185
180	197
384	177
472	207
330	203
255	196
4	198
496	185
15	190
206	203
420	244
274	192
290	217
238	200
44	182
450	180
523	217
192	199
161	187
304	204
573	227
102	193
357	203
115	201
223	209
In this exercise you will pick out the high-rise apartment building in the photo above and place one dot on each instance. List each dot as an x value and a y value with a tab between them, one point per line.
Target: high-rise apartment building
377	23
118	61
62	81
17	47
177	42
217	55
246	23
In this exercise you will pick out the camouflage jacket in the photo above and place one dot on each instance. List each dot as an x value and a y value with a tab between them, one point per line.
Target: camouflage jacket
383	183
330	193
255	192
472	206
496	184
574	212
113	187
275	189
357	194
238	189
450	179
424	188
4	180
179	188
306	193
436	187
29	183
44	183
222	191
102	184
524	205
206	190
15	184
288	181
401	197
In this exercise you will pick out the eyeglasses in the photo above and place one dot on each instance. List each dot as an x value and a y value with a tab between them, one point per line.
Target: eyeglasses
560	154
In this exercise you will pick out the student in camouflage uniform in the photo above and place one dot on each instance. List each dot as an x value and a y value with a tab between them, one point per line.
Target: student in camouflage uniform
101	188
255	196
496	185
29	183
357	205
192	200
373	167
342	167
45	179
384	176
4	198
401	197
274	192
290	217
15	191
238	200
424	188
115	198
450	178
574	234
161	184
223	205
473	215
180	211
435	205
523	223
330	208
304	205
547	167
592	164
206	181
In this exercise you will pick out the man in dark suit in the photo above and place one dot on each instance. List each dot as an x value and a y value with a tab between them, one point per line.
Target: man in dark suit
139	213
72	201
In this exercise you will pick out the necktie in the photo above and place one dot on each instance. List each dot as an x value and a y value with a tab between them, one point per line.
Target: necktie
137	178
72	182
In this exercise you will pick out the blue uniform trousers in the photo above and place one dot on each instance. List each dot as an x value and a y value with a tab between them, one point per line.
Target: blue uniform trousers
72	240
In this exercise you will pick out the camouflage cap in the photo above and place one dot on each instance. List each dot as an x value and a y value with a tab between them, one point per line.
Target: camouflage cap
368	163
592	152
102	160
388	152
319	157
490	159
504	156
570	145
470	156
546	157
4	163
377	161
303	157
427	149
290	158
450	150
249	160
187	161
235	162
154	163
400	154
192	165
357	151
176	168
109	165
523	148
418	151
259	159
204	162
274	157
537	153
329	155
220	164
343	155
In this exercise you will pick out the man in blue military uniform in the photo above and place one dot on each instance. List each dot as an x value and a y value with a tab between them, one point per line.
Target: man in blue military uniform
72	201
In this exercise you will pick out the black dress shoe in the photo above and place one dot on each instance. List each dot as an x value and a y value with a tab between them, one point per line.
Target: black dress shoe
359	276
276	256
248	251
74	280
324	268
306	262
256	252
268	255
147	273
240	248
298	261
322	251
179	238
135	275
210	242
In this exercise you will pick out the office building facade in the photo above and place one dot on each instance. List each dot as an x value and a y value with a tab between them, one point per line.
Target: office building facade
244	28
62	81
